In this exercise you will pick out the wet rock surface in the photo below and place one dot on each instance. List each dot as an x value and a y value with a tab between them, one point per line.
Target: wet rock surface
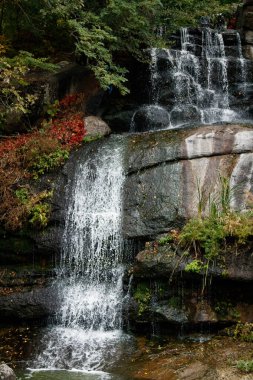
165	170
164	260
210	360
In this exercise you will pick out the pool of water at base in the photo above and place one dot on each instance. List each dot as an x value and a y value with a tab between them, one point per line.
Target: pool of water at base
139	357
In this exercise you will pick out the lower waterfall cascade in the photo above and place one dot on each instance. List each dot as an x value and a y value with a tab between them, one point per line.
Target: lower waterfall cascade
90	274
202	79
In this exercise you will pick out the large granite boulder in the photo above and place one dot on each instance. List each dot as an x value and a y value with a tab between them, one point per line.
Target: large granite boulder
96	127
168	170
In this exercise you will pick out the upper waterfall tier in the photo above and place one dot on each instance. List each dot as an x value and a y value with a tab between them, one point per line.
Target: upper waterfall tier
202	79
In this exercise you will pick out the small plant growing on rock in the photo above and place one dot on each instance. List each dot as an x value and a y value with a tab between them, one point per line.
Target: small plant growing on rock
39	215
195	266
245	365
207	236
142	295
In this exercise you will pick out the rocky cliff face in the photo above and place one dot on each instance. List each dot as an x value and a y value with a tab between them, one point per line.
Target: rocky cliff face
165	292
168	173
168	170
165	173
246	21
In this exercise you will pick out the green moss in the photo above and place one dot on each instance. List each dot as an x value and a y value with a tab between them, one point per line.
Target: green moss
142	296
226	309
88	139
175	302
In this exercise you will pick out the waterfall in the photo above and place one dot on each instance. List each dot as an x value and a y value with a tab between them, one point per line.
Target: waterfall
153	74
242	63
90	275
200	80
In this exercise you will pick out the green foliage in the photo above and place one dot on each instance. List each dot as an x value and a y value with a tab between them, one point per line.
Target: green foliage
243	331
22	194
39	214
204	235
142	295
39	209
102	32
226	309
47	162
207	235
88	139
195	266
188	12
28	60
13	97
165	240
52	109
245	365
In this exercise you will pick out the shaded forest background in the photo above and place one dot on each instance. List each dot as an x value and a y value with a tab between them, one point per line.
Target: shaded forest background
99	32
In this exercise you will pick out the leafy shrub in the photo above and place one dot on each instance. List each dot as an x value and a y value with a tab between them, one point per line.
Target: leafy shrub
38	215
13	97
47	162
243	331
22	194
165	240
28	156
245	365
207	236
195	266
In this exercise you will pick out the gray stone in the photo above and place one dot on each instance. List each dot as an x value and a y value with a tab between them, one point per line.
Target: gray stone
165	260
171	314
6	373
198	371
248	51
168	168
36	304
119	121
248	20
249	36
149	118
96	127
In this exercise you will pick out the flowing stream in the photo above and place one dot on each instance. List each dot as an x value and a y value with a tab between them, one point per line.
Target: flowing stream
88	334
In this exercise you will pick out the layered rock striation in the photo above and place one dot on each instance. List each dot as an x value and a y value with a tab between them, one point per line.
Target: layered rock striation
168	170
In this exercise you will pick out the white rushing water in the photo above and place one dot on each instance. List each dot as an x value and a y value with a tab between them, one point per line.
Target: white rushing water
88	333
199	81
